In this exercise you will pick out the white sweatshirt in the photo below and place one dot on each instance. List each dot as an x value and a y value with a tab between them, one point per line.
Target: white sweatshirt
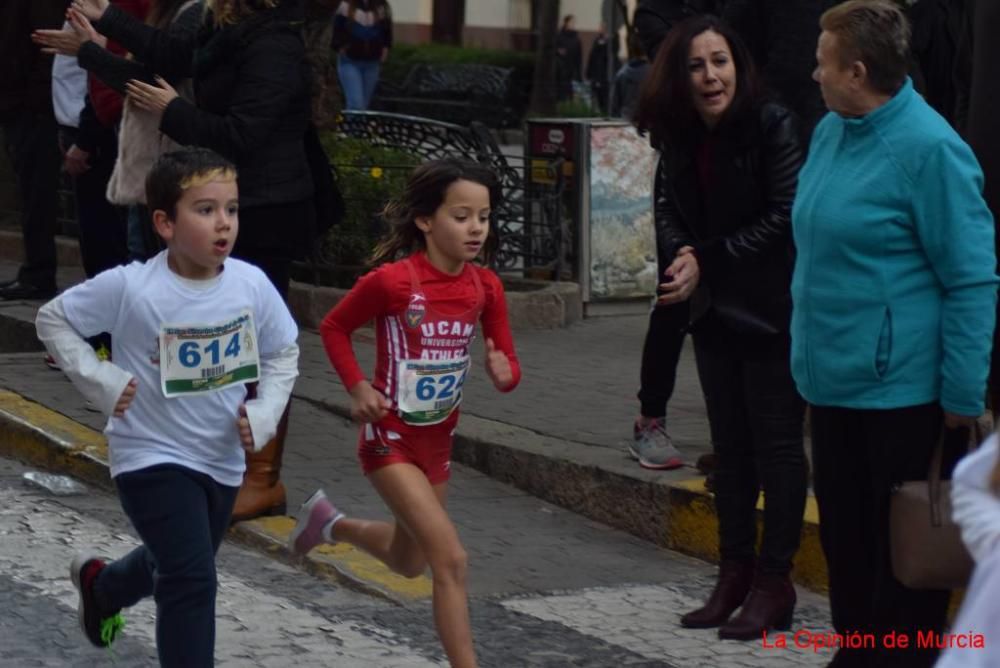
976	507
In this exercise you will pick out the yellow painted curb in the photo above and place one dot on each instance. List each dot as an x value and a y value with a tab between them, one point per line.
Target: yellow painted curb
693	529
33	433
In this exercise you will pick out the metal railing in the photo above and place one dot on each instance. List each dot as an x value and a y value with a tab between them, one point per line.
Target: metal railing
529	217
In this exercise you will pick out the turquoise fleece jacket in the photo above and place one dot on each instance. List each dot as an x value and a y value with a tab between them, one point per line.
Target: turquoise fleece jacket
894	289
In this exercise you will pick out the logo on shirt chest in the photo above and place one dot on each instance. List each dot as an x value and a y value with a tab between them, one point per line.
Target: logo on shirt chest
416	311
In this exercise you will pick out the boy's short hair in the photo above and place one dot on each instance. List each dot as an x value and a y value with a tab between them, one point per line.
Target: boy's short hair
176	171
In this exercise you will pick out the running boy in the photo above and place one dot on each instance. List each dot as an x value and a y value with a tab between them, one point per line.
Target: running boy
190	328
425	302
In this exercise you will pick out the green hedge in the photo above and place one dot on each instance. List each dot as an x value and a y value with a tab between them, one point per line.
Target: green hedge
368	177
405	56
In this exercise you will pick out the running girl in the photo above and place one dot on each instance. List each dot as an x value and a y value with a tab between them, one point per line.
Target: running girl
425	298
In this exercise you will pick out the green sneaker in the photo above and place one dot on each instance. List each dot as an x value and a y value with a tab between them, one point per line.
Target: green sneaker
100	627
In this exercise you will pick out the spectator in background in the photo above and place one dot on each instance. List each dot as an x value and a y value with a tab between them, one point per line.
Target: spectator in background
628	81
30	139
782	37
667	323
597	65
140	141
90	158
978	111
894	297
937	32
569	58
362	37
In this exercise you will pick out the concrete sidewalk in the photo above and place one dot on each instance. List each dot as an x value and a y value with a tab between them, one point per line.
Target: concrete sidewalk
560	436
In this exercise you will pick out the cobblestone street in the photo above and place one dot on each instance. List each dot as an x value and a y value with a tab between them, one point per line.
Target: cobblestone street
270	614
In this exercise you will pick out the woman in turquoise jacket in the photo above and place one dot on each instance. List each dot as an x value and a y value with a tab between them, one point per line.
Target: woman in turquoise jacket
894	294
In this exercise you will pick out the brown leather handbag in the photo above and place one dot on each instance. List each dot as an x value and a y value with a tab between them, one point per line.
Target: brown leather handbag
926	544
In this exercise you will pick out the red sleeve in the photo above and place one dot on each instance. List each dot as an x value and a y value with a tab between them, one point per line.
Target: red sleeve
496	326
366	300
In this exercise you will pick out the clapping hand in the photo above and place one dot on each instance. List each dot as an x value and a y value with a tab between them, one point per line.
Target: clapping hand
498	366
76	161
92	9
150	98
67	42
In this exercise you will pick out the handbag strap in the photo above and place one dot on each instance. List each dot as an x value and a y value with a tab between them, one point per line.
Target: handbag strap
934	473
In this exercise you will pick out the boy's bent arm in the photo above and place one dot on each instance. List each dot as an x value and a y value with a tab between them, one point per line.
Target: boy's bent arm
277	377
100	382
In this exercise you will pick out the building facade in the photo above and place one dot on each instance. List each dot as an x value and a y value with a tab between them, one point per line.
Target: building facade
496	24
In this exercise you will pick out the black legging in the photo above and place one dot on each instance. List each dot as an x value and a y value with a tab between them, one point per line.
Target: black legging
660	354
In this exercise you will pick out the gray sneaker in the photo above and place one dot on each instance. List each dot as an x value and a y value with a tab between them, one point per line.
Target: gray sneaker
653	447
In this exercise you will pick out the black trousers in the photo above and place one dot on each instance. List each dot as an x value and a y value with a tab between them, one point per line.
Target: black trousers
103	226
32	145
858	455
756	417
661	352
272	235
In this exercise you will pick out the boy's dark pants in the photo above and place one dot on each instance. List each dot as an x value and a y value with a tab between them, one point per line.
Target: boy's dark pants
181	516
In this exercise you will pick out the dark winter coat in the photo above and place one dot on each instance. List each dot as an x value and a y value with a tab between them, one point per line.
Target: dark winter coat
741	231
251	87
597	61
982	129
627	87
26	72
654	18
782	37
937	31
569	62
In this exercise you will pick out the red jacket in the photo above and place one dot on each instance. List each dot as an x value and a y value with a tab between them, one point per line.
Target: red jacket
107	103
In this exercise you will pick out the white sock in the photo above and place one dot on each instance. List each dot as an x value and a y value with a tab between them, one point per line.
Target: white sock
327	531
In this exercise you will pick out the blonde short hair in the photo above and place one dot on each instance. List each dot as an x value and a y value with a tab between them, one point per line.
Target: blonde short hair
228	12
875	32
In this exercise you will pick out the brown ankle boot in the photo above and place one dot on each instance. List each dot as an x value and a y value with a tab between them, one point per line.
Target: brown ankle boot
730	590
262	492
769	606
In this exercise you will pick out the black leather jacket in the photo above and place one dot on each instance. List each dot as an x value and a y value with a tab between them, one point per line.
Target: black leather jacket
741	227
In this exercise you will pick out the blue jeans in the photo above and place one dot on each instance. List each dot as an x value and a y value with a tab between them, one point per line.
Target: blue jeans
358	78
181	516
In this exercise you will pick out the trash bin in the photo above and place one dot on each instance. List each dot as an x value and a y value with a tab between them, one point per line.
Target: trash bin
608	206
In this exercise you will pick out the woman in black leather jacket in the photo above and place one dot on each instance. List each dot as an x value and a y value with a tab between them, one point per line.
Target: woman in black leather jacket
723	195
